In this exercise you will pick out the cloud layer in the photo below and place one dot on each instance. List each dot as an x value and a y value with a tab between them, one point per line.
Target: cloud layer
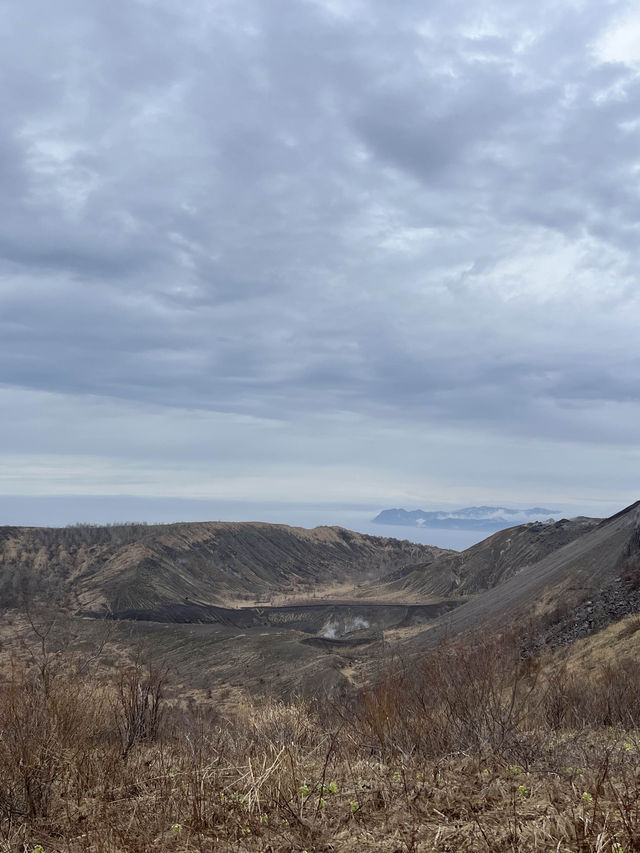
394	241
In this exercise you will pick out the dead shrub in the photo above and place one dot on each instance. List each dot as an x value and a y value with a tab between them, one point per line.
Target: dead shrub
609	697
44	731
460	698
139	707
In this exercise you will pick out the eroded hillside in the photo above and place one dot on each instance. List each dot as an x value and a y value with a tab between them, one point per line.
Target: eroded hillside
139	567
565	579
490	562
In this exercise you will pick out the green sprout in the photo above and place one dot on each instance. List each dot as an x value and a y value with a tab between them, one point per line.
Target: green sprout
304	791
522	791
333	787
38	848
587	798
177	828
515	769
264	819
355	806
617	848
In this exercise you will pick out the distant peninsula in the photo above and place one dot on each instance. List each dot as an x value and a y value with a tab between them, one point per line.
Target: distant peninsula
491	518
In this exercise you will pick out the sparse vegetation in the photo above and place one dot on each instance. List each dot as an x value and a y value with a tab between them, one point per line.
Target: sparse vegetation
474	749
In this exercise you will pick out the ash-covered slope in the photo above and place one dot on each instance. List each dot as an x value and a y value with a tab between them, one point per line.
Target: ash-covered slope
132	567
562	580
490	562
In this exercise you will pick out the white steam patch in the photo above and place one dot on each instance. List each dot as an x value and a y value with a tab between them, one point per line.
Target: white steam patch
329	632
333	631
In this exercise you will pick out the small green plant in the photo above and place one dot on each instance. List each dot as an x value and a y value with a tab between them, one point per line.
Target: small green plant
333	787
264	819
177	828
304	791
523	791
38	848
355	806
587	798
617	848
515	769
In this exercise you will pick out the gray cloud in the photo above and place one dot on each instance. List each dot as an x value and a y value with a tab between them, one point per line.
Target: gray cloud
426	218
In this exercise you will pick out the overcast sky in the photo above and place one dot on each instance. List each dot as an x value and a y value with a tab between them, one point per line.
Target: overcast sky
319	252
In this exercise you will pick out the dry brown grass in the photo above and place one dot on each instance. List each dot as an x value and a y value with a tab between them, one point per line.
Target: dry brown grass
474	750
616	642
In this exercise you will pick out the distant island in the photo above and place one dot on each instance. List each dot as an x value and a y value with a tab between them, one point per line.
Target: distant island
492	518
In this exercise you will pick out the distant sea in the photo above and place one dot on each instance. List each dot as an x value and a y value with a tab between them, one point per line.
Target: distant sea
456	539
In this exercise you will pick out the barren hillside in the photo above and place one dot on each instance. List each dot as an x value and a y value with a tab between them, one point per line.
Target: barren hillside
144	567
564	579
490	562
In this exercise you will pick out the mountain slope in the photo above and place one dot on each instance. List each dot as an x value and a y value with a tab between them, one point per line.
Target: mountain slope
565	577
143	567
491	561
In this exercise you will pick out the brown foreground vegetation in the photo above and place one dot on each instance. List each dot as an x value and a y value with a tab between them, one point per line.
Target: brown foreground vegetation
475	748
